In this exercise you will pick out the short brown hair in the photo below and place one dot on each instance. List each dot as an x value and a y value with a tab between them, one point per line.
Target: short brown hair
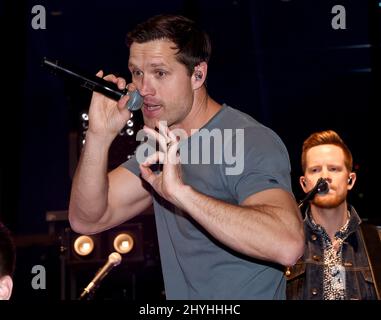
326	137
193	44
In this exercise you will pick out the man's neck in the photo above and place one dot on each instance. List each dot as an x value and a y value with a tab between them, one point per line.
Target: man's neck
331	219
204	108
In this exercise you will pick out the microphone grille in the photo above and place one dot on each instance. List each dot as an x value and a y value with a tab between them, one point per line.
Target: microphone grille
115	258
323	187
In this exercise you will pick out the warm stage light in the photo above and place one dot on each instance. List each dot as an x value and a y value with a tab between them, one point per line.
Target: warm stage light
123	243
83	245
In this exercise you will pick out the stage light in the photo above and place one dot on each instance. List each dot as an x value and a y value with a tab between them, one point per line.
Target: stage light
125	239
123	243
83	245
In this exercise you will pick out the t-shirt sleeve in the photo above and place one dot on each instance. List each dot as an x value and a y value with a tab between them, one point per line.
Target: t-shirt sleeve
266	164
132	165
145	149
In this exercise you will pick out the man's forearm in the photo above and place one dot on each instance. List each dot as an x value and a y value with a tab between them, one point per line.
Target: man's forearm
257	231
89	192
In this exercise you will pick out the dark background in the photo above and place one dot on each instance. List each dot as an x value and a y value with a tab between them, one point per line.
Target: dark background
279	61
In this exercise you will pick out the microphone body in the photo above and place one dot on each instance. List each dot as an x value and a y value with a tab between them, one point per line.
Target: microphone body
94	83
114	259
321	187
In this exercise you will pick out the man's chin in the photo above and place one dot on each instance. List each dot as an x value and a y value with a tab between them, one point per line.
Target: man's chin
150	123
327	203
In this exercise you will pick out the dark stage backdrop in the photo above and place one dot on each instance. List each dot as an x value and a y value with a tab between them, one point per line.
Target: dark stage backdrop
280	61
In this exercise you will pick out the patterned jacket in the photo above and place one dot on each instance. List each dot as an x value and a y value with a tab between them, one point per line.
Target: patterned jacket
305	278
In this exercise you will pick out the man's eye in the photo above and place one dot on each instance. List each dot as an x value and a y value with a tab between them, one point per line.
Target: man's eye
137	73
160	73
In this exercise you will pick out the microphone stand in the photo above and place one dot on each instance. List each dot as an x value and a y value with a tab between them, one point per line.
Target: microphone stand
320	187
114	259
87	294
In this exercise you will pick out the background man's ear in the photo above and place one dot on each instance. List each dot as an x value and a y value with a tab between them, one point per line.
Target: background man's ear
351	180
6	286
302	181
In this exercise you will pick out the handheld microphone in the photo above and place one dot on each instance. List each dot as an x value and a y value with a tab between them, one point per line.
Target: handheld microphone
94	83
321	187
114	259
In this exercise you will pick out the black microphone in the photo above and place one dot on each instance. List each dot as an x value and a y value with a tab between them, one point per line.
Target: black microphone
97	84
114	259
321	187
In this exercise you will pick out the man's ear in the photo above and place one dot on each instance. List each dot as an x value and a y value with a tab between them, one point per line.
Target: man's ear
6	286
351	180
302	181
199	75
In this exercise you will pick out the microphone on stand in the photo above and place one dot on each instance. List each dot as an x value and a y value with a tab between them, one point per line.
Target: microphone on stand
114	259
95	83
321	187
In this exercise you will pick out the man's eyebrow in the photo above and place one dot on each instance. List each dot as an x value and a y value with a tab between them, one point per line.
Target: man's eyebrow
152	65
160	64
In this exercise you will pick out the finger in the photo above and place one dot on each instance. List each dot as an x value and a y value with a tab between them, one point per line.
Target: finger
100	74
172	136
172	157
157	136
173	147
145	169
157	157
111	78
122	104
131	87
147	174
162	126
121	83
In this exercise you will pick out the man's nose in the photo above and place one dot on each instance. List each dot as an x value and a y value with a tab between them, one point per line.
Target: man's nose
145	87
325	175
327	178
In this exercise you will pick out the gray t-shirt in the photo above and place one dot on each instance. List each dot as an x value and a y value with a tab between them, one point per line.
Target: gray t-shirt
195	265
